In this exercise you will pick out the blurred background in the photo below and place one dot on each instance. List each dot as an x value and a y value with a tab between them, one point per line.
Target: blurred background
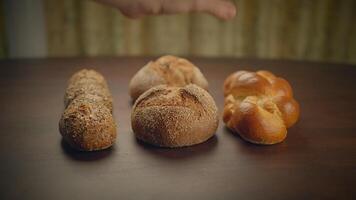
317	30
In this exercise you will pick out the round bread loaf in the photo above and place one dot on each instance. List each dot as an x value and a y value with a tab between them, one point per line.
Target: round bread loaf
174	116
88	124
259	106
168	70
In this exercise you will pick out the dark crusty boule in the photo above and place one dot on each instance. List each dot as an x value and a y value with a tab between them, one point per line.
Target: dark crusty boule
174	116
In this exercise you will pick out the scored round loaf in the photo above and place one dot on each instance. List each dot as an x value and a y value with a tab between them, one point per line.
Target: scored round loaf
88	125
174	116
259	106
168	70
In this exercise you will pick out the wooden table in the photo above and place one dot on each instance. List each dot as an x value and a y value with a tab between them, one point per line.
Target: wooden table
317	160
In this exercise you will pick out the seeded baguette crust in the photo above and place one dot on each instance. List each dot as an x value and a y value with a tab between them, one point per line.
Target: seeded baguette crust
88	82
259	106
168	70
87	123
174	116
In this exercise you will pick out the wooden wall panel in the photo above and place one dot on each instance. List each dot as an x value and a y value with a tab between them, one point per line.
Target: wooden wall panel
205	35
97	29
118	32
227	39
63	30
305	23
245	29
283	28
263	33
134	35
167	35
351	39
2	32
294	29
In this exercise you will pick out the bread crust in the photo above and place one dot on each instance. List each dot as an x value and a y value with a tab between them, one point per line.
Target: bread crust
88	82
259	106
169	70
87	123
174	116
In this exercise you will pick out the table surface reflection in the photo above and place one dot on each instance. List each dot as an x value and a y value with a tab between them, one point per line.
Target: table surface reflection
317	160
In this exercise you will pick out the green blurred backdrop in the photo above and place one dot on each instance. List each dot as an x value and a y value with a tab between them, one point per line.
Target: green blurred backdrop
321	30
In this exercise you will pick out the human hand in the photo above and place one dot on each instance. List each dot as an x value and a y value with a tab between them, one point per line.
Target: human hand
222	9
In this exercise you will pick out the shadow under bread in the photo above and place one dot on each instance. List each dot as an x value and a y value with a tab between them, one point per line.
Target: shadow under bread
179	153
78	155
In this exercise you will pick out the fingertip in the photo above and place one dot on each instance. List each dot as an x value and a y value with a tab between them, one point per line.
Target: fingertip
232	12
222	9
227	10
131	15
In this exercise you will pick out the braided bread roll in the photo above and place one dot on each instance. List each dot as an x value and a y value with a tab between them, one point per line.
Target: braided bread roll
174	116
87	123
259	106
167	70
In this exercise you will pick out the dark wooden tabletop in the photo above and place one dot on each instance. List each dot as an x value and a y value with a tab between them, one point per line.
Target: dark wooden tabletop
317	160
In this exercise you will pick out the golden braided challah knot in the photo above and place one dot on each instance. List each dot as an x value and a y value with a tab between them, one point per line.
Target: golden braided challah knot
259	106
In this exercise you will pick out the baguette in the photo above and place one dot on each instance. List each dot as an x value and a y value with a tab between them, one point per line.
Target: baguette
87	123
